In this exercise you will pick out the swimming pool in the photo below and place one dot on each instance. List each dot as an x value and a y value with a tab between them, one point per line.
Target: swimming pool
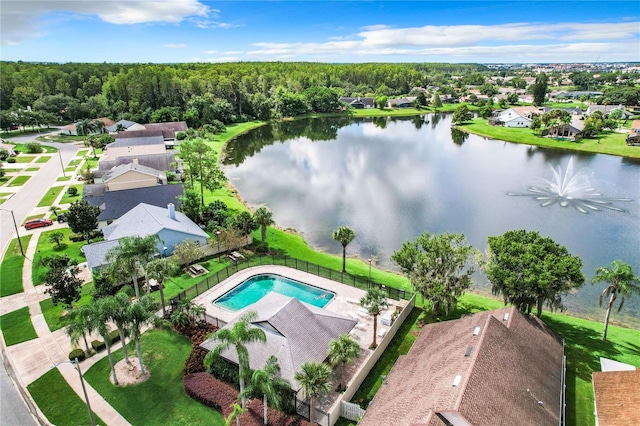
256	287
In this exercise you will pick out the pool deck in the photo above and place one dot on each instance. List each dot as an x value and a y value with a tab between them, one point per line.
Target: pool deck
345	303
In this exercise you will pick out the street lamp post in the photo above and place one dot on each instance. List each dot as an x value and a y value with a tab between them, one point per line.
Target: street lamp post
76	365
15	225
61	164
218	238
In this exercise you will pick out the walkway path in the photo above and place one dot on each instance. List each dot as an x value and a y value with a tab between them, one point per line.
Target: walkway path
28	361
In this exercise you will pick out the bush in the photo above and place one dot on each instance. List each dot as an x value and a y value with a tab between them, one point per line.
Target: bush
33	147
98	345
11	160
171	176
224	370
4	154
128	290
114	336
263	247
77	353
72	191
180	136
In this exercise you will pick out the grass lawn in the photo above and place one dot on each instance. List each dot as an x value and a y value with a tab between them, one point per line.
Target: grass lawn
53	314
162	396
24	158
68	199
50	196
58	402
16	326
19	180
608	143
63	178
32	169
43	159
46	249
11	269
82	152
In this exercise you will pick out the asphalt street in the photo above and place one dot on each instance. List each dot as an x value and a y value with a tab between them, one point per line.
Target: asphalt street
14	411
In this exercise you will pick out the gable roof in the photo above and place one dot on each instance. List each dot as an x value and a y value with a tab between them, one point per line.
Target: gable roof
96	253
617	397
125	123
151	138
296	333
502	371
168	129
146	219
124	168
523	111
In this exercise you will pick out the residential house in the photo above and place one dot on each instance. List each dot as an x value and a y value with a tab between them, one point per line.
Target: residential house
518	116
73	131
296	333
168	129
147	151
359	103
171	228
401	102
616	391
608	109
563	131
495	367
634	133
133	175
124	125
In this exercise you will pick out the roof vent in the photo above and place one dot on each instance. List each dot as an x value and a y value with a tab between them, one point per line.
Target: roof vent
476	331
456	381
468	352
505	317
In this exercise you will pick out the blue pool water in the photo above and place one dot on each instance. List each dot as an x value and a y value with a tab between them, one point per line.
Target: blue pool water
255	288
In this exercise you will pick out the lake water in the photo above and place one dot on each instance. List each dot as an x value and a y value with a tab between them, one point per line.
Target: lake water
390	180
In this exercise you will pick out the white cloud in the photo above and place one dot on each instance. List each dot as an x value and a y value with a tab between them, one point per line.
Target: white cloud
175	46
234	52
224	59
22	20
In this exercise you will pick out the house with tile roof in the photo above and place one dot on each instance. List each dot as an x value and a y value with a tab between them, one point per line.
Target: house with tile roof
616	391
296	333
518	116
495	367
170	226
634	133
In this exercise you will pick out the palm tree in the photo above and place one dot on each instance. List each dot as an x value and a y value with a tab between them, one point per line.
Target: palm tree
54	210
374	301
234	415
141	313
118	307
130	253
315	379
266	382
80	324
621	281
344	236
239	335
56	237
101	317
264	218
159	270
343	350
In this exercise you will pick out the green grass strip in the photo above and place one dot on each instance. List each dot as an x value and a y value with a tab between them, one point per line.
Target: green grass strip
16	326
68	199
50	196
43	159
161	399
11	269
19	180
55	315
59	402
46	249
63	178
24	158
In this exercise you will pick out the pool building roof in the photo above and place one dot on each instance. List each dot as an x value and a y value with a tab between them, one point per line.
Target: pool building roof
296	333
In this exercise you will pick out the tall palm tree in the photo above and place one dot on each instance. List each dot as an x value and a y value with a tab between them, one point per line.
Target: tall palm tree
266	382
344	236
343	350
160	270
315	379
102	317
621	282
80	324
130	254
141	313
240	334
118	307
375	301
264	218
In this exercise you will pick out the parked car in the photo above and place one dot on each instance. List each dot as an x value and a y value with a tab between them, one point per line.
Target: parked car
61	218
37	223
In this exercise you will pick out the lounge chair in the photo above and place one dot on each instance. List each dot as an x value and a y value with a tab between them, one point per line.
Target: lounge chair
352	301
382	332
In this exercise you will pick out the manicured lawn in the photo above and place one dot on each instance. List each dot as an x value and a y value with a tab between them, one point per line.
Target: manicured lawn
82	152
16	326
53	315
43	159
46	249
161	399
50	197
58	402
609	142
63	178
68	199
11	269
32	169
19	180
24	158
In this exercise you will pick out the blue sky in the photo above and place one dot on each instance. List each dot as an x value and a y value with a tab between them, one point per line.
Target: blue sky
512	31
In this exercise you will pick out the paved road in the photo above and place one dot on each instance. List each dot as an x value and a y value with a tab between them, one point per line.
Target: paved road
13	408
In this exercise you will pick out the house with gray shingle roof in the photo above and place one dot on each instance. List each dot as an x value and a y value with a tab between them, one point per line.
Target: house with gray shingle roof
296	333
495	367
608	109
133	175
170	226
126	125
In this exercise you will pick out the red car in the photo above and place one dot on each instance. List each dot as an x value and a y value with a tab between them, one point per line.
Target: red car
37	223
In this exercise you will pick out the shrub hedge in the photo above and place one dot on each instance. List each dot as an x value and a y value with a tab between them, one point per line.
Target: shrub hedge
77	353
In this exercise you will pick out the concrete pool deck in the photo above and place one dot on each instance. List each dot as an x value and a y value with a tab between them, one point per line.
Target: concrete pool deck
346	301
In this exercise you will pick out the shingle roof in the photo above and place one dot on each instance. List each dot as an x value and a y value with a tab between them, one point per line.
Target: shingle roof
136	141
125	123
114	204
137	134
158	161
296	333
504	371
146	219
96	253
617	397
124	168
168	129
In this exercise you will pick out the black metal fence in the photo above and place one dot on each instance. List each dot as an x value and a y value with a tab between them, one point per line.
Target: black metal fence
302	265
303	409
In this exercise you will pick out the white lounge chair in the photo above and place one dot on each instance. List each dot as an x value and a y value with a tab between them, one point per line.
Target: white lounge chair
382	332
352	301
361	326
